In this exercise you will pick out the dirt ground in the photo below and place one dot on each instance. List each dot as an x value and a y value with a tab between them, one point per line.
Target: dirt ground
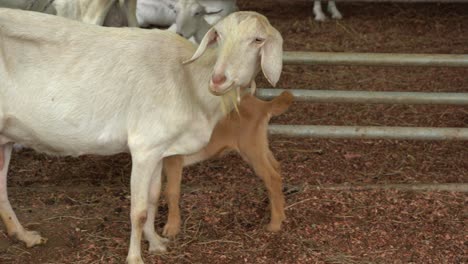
82	204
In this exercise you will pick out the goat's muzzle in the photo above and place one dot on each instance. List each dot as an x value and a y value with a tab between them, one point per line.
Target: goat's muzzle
220	89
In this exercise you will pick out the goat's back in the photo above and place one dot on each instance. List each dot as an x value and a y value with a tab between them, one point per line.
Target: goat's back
62	78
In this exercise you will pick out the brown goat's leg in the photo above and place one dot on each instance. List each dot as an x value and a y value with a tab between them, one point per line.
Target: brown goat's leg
173	171
273	161
214	148
273	183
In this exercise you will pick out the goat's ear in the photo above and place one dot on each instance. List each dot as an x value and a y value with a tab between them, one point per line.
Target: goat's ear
272	57
209	38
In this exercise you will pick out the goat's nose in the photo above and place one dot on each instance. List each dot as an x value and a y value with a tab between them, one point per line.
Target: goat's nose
218	79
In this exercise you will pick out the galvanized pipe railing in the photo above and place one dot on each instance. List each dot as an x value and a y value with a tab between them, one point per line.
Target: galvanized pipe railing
337	96
375	59
370	132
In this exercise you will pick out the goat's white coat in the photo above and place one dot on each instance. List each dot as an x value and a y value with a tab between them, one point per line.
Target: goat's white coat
69	88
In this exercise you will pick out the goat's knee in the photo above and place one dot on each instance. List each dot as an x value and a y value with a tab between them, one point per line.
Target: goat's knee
139	218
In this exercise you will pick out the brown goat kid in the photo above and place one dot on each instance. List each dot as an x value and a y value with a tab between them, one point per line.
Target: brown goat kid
245	132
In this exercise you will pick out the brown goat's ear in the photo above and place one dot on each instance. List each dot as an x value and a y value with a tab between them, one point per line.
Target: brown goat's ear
272	57
281	103
209	38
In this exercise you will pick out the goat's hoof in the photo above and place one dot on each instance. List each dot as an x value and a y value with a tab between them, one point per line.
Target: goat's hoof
337	16
134	260
273	227
157	248
31	238
321	18
171	230
157	244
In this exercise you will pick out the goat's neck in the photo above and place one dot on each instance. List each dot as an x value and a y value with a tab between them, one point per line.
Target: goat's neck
202	29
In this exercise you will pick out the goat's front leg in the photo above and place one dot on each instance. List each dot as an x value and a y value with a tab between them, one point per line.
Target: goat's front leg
13	226
143	172
130	7
267	168
156	243
97	12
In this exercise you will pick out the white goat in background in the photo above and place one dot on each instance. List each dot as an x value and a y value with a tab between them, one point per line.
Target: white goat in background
331	8
189	18
118	97
160	13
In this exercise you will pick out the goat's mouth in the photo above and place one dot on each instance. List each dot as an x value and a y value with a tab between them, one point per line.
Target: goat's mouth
221	90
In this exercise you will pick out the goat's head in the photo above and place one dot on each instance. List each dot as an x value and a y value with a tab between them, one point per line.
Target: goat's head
189	17
246	41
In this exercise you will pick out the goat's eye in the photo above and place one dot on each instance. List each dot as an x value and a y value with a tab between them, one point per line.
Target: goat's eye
198	13
259	40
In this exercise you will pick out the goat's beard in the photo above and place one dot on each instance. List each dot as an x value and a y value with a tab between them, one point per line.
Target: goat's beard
232	98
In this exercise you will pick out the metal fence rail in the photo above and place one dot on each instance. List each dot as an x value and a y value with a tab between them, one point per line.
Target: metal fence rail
375	59
370	132
338	96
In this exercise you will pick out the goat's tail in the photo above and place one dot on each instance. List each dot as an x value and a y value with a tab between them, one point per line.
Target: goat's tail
281	103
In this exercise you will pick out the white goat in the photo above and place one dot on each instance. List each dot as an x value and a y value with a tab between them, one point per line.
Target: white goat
189	18
331	7
159	13
192	16
70	88
120	12
190	21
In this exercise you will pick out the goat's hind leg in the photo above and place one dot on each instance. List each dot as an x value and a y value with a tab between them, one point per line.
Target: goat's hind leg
331	7
318	12
173	171
13	226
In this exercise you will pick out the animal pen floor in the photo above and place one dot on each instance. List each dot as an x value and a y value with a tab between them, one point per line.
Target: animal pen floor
81	204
